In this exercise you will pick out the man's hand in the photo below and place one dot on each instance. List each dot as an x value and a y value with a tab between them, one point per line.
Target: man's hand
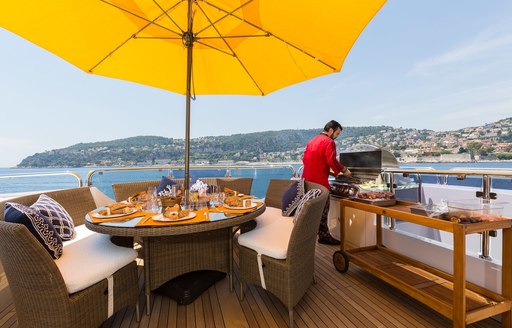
347	173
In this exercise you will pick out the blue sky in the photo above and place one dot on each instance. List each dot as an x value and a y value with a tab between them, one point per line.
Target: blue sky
440	65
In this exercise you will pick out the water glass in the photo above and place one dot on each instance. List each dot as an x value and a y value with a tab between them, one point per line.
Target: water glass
186	204
174	190
220	199
201	204
152	205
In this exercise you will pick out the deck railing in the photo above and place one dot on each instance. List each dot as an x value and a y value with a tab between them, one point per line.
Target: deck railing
28	186
442	176
170	170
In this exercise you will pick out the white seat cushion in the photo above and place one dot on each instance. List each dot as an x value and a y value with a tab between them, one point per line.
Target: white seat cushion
271	215
271	239
81	233
90	258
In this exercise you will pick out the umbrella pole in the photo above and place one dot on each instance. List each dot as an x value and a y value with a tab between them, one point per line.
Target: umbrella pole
188	37
187	120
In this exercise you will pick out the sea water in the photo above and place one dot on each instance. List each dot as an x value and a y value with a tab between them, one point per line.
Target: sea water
470	181
261	176
104	180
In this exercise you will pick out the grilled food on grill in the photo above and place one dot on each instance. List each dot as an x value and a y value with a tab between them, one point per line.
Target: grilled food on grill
344	189
375	195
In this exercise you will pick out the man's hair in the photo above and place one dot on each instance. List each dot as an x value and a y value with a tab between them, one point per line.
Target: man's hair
332	125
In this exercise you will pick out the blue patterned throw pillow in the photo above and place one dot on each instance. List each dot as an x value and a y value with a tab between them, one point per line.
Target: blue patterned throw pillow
165	183
57	215
42	229
311	194
292	197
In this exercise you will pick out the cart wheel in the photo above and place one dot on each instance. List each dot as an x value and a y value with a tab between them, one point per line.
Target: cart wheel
340	260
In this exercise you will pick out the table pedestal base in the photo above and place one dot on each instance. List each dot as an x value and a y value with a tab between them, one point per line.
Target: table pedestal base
186	288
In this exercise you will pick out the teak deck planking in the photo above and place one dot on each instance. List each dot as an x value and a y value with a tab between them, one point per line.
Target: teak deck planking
354	299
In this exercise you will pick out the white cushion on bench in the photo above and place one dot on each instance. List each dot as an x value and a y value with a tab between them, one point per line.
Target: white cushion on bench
81	233
90	258
271	239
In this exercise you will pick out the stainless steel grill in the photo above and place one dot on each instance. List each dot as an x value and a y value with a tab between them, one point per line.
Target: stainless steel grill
366	166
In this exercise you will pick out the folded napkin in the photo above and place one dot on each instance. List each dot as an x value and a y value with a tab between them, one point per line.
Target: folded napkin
119	218
223	209
201	216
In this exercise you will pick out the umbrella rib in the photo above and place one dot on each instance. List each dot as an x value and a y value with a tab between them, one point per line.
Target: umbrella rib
110	53
215	48
303	51
133	36
151	22
165	12
233	52
233	37
228	14
272	34
159	37
218	37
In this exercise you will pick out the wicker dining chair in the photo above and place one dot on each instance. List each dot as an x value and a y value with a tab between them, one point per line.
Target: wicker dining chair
288	279
40	294
242	185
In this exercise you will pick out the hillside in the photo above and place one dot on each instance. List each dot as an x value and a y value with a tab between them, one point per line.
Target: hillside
492	140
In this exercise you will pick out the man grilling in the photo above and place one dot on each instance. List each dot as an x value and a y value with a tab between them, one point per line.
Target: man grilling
319	160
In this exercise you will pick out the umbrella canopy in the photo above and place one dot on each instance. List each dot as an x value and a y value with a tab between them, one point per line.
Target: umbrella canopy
198	47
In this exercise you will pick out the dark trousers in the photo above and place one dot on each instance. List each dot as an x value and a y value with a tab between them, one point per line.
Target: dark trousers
323	229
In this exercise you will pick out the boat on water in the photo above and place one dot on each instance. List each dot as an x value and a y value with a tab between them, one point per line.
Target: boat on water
355	299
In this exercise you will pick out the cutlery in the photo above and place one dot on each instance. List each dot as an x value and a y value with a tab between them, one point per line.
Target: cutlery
120	219
145	220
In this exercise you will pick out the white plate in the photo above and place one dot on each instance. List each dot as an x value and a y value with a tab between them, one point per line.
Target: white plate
253	205
162	218
100	216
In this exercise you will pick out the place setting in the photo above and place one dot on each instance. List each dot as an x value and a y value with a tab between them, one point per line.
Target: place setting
116	212
174	206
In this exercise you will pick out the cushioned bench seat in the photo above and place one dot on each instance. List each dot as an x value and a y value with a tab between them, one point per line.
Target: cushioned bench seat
89	258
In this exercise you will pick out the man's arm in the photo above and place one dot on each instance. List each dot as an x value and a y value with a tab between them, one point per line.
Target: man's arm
333	162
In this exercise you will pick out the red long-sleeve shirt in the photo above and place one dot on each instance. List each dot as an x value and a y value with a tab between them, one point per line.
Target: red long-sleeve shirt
319	158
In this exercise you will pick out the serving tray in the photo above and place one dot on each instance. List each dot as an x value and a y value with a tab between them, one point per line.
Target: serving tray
377	202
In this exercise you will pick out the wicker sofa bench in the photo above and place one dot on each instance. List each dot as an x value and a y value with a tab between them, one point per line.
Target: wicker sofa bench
90	281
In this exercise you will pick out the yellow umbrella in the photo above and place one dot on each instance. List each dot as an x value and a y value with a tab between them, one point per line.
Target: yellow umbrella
249	47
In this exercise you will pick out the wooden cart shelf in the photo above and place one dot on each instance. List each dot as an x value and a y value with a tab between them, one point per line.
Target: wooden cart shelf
450	295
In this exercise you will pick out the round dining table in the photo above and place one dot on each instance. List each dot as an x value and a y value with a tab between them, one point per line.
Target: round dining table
172	250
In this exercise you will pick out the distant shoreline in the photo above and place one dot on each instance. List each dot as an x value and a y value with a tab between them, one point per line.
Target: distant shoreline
259	163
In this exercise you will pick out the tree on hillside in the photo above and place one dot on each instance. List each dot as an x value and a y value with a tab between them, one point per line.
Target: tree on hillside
473	147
